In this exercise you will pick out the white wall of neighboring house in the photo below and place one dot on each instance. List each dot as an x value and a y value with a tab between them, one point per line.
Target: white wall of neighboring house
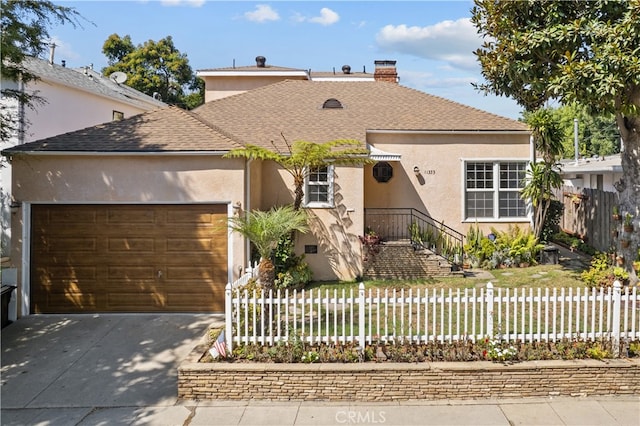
67	109
9	106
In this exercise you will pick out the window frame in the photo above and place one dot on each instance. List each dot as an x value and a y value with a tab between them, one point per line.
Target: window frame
329	184
496	190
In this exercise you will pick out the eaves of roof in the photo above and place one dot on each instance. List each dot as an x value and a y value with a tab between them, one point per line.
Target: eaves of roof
90	81
167	130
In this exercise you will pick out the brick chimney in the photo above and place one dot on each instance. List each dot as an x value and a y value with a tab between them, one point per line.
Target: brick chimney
385	71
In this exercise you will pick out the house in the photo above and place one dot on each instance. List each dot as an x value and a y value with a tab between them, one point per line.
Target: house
592	173
71	99
130	215
223	82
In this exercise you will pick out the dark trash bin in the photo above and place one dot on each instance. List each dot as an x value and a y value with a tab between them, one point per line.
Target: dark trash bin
7	290
550	255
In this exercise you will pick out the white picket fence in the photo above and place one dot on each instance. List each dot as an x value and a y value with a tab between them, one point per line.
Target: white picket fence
415	315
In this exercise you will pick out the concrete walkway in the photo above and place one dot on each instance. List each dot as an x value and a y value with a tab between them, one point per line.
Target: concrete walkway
122	370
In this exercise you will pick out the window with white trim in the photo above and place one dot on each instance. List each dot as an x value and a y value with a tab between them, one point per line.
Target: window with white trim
318	187
492	189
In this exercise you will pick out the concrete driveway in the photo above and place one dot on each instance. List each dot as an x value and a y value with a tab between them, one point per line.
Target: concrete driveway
58	369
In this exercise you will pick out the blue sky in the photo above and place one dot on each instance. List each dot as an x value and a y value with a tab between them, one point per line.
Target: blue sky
432	41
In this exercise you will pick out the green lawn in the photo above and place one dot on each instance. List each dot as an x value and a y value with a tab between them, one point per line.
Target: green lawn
535	276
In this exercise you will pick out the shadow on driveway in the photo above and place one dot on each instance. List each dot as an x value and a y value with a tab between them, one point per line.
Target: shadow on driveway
102	360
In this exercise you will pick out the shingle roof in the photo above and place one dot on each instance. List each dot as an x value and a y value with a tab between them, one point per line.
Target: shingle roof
163	130
292	108
90	81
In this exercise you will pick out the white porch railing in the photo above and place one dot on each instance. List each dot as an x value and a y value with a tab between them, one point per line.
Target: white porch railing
392	316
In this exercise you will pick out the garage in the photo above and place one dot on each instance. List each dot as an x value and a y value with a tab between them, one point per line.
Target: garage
128	258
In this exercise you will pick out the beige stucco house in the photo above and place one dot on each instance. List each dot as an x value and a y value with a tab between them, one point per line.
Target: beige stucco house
130	215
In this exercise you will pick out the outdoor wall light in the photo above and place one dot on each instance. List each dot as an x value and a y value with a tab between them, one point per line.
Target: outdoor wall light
237	207
416	170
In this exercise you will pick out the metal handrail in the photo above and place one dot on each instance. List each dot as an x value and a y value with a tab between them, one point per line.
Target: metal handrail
423	231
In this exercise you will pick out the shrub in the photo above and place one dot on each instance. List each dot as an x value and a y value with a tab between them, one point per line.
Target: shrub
574	243
503	248
602	273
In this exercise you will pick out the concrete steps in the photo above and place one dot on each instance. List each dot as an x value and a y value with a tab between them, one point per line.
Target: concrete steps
399	260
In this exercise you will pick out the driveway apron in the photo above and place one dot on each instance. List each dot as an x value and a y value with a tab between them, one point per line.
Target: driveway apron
101	360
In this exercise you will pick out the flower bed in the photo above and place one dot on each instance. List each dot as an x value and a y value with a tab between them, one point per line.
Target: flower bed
386	380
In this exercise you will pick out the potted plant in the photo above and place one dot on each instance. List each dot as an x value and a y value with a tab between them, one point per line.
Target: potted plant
625	243
371	238
575	199
616	213
628	223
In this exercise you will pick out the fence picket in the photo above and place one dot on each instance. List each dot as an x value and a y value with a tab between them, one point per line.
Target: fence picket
397	317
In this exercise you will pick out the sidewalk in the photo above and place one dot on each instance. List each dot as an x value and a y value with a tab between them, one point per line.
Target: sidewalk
557	411
122	370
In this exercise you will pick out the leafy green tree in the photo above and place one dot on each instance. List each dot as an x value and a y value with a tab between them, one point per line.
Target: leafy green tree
597	133
264	229
571	51
24	31
302	157
155	68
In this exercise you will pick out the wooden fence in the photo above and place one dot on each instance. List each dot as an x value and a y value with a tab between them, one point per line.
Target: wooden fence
588	215
415	316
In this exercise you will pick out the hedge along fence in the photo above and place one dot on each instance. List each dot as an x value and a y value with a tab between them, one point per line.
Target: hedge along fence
391	316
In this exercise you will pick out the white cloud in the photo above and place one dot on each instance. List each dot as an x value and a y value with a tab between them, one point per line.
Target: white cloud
192	3
327	17
262	13
449	41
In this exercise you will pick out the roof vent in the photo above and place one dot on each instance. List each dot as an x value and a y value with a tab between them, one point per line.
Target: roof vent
332	103
261	61
346	69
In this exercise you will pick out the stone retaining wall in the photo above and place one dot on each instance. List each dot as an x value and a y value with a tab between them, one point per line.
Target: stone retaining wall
399	381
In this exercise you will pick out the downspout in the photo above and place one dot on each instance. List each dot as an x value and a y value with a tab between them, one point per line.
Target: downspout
247	206
21	113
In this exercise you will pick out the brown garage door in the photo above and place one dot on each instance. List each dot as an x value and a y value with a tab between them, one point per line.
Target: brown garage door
128	258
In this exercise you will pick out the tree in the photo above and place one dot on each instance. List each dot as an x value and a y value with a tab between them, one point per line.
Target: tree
542	177
155	68
597	133
302	157
24	31
571	51
264	229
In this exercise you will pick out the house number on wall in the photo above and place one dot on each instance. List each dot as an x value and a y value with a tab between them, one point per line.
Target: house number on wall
430	172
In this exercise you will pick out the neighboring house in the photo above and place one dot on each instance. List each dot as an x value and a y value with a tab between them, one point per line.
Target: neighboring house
71	99
130	215
592	173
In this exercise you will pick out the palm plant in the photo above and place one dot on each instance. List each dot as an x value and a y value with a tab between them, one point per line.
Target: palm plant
542	178
264	229
302	156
